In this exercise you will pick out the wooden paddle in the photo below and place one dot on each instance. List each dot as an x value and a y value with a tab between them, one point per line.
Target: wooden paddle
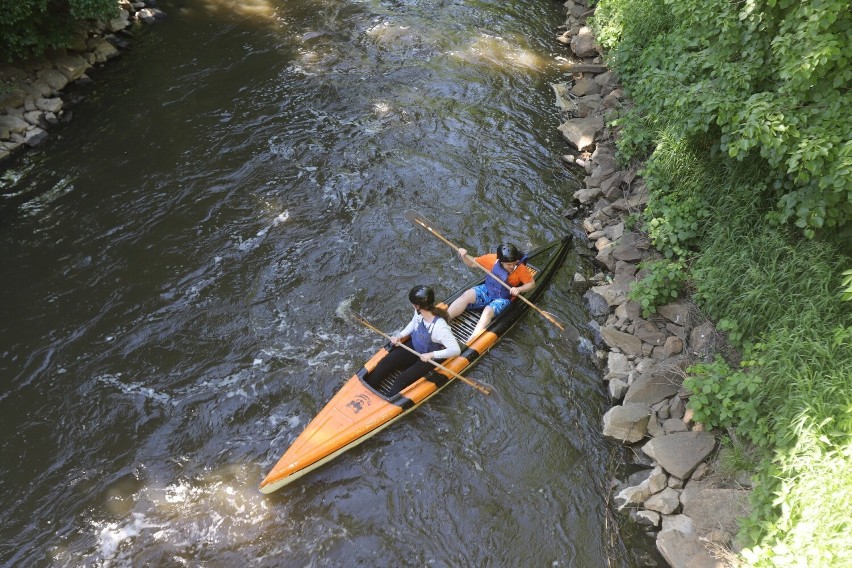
363	321
421	221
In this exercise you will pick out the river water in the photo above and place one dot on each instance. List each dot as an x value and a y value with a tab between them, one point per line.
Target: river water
173	259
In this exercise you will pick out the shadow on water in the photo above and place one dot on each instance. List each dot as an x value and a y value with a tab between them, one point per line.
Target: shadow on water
173	256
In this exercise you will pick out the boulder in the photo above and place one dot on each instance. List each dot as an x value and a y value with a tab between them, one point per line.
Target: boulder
72	66
617	388
582	132
617	363
702	339
680	453
628	423
54	78
583	87
680	523
629	344
713	508
685	551
583	44
13	123
646	518
665	502
596	304
675	312
614	294
631	247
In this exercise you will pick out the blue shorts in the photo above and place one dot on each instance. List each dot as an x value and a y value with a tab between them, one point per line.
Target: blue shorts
483	299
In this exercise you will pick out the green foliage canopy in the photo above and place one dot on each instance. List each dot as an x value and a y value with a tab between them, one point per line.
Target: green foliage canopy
30	27
768	80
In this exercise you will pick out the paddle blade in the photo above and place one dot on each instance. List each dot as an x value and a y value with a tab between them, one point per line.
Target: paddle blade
414	217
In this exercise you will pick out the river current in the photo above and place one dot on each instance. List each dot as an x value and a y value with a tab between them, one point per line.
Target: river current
173	260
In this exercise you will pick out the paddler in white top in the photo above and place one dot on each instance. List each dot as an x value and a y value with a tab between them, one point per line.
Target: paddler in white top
431	337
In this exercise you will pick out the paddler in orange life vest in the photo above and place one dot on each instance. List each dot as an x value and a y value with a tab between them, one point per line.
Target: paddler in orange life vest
508	265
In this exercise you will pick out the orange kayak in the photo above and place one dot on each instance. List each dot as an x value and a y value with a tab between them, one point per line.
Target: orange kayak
357	411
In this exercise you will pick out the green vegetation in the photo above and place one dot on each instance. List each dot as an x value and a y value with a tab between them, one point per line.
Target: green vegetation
28	28
743	112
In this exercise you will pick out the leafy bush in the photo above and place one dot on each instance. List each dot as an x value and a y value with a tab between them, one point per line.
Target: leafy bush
30	27
767	79
662	284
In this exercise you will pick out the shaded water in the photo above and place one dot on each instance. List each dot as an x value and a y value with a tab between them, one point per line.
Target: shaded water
171	264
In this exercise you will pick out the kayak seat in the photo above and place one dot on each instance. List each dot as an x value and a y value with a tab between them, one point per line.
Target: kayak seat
463	325
385	387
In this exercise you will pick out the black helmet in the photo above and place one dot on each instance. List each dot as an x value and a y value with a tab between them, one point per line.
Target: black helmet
422	296
507	253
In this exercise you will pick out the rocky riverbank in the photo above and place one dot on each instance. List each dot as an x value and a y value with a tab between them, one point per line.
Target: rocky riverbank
30	92
677	493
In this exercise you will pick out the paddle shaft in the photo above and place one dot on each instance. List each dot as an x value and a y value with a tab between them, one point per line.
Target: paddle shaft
470	382
547	316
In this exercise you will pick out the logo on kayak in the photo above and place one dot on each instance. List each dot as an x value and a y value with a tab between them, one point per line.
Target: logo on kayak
358	403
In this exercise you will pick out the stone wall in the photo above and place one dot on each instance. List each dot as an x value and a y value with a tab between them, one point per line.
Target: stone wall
675	496
31	100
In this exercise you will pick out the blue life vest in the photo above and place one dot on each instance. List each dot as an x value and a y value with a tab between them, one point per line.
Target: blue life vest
494	289
421	339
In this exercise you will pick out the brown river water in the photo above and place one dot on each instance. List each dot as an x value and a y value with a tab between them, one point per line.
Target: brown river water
172	261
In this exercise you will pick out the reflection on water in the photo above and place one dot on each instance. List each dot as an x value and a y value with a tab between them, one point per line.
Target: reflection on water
176	265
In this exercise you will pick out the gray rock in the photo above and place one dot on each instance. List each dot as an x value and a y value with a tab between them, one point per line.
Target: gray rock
628	423
53	78
656	384
588	105
629	344
673	425
606	162
672	346
105	50
13	124
580	284
646	518
605	257
658	480
35	136
680	453
677	407
34	117
685	551
53	105
615	294
118	23
654	428
72	66
597	305
582	132
583	44
675	312
702	339
648	332
617	363
713	507
617	388
680	523
583	87
665	502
